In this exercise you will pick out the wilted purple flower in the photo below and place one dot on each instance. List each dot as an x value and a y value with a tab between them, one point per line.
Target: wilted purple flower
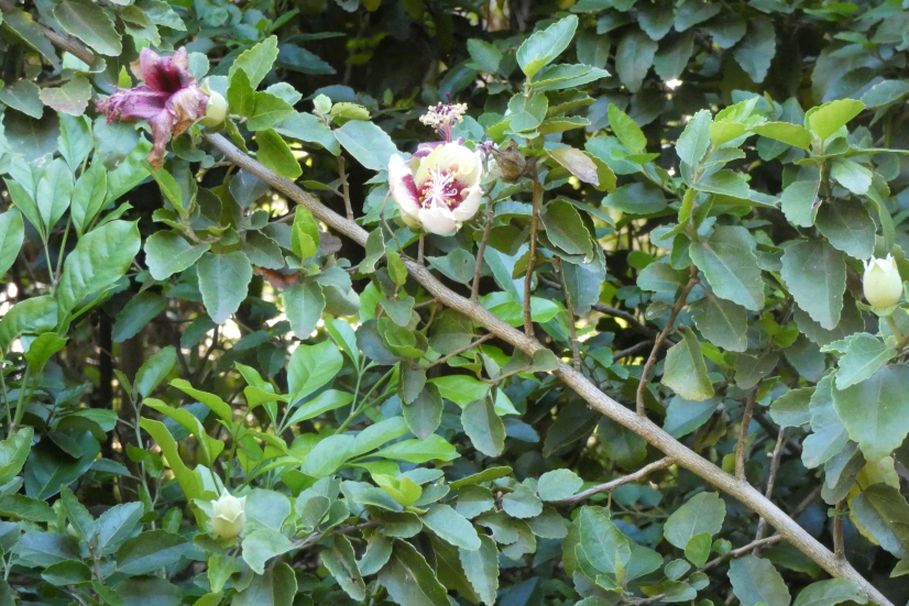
168	98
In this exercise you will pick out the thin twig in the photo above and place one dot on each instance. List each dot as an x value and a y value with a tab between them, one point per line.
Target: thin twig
459	351
345	187
481	249
745	549
661	338
622	353
771	478
839	544
613	484
532	257
572	329
743	434
633	323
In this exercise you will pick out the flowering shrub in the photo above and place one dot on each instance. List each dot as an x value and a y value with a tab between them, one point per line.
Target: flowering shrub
628	327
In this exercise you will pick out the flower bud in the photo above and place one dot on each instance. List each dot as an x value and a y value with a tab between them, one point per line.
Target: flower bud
215	111
882	284
228	516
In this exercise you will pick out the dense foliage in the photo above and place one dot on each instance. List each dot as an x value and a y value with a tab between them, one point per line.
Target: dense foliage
391	382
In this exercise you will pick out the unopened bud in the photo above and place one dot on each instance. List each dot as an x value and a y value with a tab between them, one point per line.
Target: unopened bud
882	284
228	516
215	111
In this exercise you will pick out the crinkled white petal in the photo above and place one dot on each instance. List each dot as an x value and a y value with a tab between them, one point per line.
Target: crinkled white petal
398	172
469	206
438	220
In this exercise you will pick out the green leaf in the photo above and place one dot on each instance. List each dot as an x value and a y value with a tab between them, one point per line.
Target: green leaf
433	448
559	77
218	406
308	128
685	371
12	234
151	551
30	316
792	408
724	182
602	543
25	203
328	455
304	235
168	253
522	502
636	199
91	24
851	175
633	59
728	261
117	524
848	227
722	322
558	484
481	566
311	367
223	281
303	305
89	196
409	580
54	192
543	46
815	273
756	582
484	427
885	92
697	551
626	129
136	314
828	118
829	437
71	98
100	258
339	558
484	55
875	411
75	140
328	400
267	110
881	513
367	143
786	132
24	96
799	202
274	153
694	141
451	527
831	592
189	482
577	163
256	61
565	228
702	513
263	544
14	451
863	355
461	389
755	52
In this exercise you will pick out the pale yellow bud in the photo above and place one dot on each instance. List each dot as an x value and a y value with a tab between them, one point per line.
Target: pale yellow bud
215	111
882	284
228	516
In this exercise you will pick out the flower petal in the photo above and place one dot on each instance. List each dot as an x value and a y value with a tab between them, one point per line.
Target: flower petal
134	103
469	206
187	106
401	183
164	74
439	221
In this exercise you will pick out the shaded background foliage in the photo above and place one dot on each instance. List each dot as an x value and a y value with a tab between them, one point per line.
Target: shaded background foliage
358	452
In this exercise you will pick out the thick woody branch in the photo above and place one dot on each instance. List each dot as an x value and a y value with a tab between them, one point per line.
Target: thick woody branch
596	399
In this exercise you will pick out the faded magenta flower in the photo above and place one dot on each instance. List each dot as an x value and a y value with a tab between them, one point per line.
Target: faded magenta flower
168	98
437	191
